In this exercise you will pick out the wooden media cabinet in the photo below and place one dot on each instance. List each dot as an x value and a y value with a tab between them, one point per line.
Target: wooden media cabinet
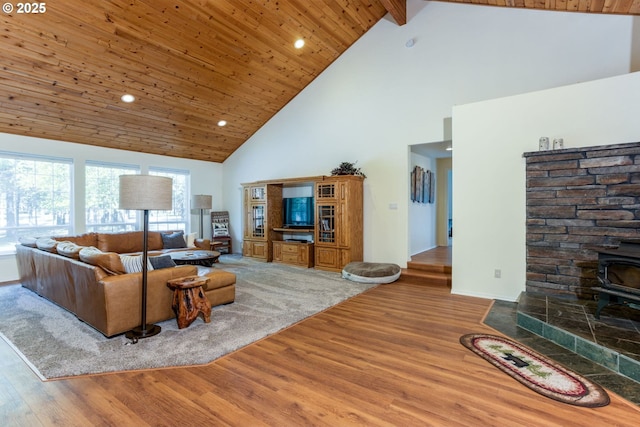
336	236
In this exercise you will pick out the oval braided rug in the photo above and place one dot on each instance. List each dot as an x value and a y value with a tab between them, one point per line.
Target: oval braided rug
536	371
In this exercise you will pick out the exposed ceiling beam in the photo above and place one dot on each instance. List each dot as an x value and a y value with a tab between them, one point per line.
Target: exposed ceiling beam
397	9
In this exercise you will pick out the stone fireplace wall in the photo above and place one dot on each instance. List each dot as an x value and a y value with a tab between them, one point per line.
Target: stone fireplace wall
578	200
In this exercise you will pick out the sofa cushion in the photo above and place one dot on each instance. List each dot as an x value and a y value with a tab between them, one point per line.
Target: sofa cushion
47	244
219	279
162	261
108	261
174	240
87	239
69	249
122	243
133	263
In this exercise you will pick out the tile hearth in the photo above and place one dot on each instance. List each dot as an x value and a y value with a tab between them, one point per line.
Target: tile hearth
606	350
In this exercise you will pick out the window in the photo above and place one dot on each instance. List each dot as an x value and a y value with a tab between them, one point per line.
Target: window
102	198
178	218
35	198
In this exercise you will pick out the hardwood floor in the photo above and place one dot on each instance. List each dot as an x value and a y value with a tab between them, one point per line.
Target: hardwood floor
440	255
388	357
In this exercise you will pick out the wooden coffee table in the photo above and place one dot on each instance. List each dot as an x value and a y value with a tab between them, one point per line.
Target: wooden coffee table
206	258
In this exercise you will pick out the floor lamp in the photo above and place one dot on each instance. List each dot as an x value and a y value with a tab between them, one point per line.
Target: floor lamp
144	193
202	202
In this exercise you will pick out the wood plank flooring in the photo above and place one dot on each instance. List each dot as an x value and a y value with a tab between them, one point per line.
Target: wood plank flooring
440	255
388	357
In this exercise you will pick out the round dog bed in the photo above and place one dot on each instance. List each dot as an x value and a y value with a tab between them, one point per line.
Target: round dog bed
371	272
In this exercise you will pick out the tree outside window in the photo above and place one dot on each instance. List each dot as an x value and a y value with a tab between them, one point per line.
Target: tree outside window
102	198
35	198
178	218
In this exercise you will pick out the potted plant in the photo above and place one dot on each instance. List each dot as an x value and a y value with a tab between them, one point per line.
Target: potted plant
347	168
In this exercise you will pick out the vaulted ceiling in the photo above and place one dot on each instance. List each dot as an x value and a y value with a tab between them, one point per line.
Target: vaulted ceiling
188	63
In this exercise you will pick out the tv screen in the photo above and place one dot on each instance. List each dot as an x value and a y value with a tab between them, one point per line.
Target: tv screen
298	211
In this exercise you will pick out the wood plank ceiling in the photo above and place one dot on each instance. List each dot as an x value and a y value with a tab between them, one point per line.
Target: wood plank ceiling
189	63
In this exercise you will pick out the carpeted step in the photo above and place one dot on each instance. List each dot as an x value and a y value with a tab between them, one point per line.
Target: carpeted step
421	276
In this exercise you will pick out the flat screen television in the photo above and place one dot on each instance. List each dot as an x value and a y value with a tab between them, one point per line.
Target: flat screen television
298	211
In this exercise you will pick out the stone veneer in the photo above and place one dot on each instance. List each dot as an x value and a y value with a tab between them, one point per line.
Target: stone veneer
579	200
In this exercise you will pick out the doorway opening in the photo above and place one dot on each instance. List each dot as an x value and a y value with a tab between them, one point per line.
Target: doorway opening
431	224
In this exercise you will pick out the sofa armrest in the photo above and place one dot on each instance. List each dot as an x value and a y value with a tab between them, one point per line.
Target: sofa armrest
203	244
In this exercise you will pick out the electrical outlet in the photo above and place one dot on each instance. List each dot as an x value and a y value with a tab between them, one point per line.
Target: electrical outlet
497	273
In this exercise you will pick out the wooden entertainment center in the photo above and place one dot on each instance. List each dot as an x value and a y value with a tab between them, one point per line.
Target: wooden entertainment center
334	239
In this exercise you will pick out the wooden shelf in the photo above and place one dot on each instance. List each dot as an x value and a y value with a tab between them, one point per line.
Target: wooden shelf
294	230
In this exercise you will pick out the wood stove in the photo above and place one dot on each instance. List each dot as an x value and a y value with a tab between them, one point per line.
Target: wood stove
619	275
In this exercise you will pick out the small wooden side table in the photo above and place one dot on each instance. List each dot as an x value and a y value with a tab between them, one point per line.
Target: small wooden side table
189	299
222	242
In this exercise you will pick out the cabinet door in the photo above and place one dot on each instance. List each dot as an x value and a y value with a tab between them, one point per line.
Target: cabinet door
327	257
257	193
325	191
257	224
326	224
259	250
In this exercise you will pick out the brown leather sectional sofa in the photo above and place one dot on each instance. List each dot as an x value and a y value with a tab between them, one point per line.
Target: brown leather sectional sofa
87	278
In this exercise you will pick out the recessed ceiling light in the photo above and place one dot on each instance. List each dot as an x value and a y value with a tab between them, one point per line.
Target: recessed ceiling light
449	148
127	98
222	123
299	43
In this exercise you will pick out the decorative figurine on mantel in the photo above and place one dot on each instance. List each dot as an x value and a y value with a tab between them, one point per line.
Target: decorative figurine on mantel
347	168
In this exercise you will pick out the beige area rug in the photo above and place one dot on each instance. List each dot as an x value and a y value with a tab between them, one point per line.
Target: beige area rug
269	297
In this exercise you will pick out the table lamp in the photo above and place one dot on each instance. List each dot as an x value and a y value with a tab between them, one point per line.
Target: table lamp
202	202
144	193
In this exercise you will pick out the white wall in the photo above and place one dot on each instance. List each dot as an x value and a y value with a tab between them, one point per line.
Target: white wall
489	199
380	97
422	216
206	177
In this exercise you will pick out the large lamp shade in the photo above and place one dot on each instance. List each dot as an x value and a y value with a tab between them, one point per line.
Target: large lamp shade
146	192
202	201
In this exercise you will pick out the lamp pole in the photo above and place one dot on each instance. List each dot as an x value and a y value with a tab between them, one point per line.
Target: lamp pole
144	330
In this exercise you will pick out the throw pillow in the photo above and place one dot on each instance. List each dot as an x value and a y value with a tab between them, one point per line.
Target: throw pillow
28	241
133	263
191	240
162	261
47	244
108	261
174	240
69	249
220	229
